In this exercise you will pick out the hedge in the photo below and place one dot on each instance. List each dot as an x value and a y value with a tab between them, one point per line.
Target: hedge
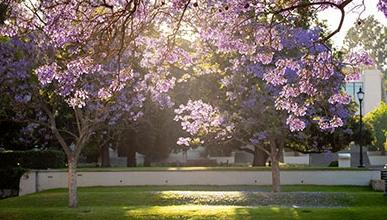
32	159
10	177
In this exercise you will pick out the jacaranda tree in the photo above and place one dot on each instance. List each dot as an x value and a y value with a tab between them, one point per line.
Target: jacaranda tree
101	59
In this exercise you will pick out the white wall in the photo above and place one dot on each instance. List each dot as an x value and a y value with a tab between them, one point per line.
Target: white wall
28	183
182	157
49	179
301	159
378	160
223	160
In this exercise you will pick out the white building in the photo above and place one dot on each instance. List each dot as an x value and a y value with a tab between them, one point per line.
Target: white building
371	84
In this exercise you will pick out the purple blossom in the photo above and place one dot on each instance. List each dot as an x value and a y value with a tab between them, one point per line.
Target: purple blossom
79	99
184	141
360	58
23	98
331	124
382	6
259	137
295	124
197	115
297	70
46	73
340	98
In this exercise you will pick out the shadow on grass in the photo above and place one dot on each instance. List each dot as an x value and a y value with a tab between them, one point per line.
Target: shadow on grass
199	202
232	212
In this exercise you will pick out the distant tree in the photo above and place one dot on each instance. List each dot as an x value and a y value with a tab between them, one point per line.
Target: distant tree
97	149
371	36
378	121
154	135
85	47
313	140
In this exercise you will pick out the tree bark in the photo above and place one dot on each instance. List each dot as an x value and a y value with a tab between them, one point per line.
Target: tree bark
281	156
275	170
105	157
276	184
72	180
131	157
260	157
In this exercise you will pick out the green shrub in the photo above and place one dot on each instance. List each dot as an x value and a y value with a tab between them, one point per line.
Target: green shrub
32	159
378	121
334	164
10	177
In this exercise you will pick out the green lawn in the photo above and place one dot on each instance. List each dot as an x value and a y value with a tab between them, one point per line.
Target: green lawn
201	202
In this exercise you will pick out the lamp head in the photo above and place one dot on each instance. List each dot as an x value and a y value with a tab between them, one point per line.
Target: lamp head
360	94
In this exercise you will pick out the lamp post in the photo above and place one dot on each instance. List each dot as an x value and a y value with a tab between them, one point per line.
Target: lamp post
360	96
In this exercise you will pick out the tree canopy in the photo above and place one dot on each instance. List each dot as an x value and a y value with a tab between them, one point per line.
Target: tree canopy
101	60
371	36
378	121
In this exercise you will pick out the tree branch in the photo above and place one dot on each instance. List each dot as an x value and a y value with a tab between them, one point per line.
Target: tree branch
338	6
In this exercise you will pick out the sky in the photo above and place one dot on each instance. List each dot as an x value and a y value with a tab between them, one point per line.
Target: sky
333	17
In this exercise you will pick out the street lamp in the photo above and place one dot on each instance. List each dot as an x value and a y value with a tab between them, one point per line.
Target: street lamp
360	96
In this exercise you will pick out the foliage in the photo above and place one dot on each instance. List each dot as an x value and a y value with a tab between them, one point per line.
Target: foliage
315	140
32	159
378	121
91	152
366	137
156	133
371	36
334	164
101	60
24	135
382	6
10	177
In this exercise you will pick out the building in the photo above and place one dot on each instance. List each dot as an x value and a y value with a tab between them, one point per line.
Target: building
371	84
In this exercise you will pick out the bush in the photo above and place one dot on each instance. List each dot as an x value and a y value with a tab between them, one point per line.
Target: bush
10	177
32	159
334	164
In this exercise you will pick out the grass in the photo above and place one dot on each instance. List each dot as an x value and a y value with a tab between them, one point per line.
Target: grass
200	202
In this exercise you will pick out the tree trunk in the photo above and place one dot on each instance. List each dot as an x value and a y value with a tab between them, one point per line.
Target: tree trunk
72	180
260	157
131	157
281	156
275	170
105	157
